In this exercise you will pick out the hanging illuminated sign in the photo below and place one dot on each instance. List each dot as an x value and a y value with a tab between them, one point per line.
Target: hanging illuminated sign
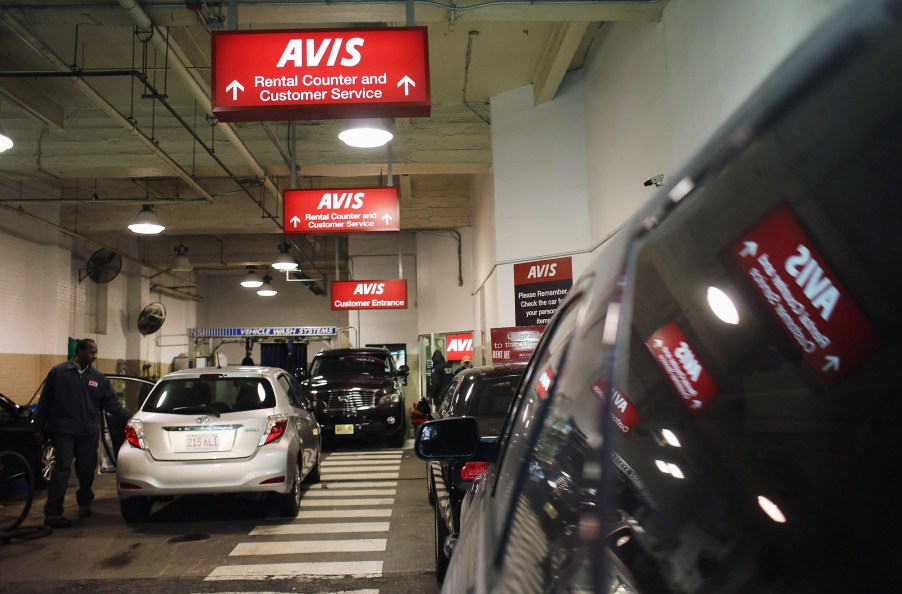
369	294
680	363
798	287
316	74
354	210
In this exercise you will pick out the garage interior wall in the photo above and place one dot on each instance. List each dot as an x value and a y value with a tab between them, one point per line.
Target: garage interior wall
645	101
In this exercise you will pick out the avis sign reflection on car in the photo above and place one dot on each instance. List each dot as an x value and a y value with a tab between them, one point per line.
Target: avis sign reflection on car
356	210
369	294
681	365
804	295
320	74
622	412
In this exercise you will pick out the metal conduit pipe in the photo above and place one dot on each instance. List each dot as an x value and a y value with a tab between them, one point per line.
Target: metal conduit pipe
16	27
142	20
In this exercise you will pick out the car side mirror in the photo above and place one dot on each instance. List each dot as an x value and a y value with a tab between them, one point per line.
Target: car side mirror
403	370
443	439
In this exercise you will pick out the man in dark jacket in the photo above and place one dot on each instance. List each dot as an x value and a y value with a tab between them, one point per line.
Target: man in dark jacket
440	378
69	409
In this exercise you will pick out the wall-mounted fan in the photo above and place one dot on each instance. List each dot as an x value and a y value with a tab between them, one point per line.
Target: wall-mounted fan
103	266
151	318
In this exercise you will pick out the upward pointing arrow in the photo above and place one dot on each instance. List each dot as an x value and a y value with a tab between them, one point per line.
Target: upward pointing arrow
750	248
294	221
234	86
407	82
387	218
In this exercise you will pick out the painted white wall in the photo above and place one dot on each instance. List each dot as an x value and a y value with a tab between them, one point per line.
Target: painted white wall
482	199
445	305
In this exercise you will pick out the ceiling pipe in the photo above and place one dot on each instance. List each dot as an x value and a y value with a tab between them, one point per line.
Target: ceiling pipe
145	24
38	45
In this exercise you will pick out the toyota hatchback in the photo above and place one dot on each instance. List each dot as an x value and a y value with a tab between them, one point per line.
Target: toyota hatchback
229	430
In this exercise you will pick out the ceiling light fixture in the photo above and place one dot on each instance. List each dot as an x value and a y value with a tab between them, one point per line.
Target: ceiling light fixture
181	263
366	134
6	142
146	222
285	261
722	306
266	289
251	281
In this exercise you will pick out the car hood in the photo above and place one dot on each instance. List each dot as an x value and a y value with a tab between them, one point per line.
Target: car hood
323	385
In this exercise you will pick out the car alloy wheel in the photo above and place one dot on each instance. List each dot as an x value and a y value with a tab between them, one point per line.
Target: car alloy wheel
48	460
291	501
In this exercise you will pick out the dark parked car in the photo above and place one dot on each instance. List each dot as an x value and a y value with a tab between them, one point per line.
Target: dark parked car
17	434
486	394
716	405
357	394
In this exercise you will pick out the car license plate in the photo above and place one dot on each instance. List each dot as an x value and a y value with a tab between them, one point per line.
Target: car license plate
208	440
344	430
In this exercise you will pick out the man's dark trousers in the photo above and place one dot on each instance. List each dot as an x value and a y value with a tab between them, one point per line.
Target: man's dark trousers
84	449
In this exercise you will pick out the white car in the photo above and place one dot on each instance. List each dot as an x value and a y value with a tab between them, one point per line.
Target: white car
219	430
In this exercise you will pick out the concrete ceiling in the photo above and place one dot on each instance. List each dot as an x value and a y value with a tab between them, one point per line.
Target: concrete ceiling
96	145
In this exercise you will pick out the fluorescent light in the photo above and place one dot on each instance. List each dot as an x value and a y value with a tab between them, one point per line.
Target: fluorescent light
366	134
6	142
146	222
722	306
266	289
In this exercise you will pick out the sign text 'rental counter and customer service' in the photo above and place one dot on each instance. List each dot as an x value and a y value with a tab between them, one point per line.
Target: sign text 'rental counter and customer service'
320	74
347	210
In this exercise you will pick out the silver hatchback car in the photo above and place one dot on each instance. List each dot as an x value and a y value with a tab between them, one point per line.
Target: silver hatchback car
219	430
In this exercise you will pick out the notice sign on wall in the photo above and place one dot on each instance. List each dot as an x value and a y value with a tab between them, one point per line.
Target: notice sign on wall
348	210
680	363
320	74
515	344
539	288
369	294
804	295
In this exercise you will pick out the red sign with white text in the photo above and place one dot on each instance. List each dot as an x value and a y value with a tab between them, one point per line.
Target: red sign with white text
510	345
348	210
369	294
459	346
540	287
677	358
622	412
317	74
798	287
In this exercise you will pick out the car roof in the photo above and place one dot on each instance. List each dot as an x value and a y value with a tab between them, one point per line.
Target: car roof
227	371
496	370
354	351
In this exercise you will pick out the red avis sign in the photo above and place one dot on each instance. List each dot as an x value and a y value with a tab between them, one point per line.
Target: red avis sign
676	357
459	346
621	411
814	309
320	74
369	294
348	210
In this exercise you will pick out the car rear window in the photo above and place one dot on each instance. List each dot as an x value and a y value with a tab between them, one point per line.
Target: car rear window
222	394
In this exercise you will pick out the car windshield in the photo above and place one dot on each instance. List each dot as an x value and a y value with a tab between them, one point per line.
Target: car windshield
212	396
351	364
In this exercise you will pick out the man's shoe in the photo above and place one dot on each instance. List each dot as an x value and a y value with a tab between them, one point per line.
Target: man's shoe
58	522
84	512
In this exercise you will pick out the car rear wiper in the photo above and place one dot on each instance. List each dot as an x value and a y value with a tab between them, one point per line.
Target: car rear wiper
198	408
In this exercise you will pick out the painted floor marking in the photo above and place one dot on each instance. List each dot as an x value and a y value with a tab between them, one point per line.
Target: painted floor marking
267	571
300	547
327	528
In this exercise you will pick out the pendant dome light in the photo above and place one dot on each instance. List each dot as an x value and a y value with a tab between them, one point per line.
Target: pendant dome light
266	289
251	280
366	134
284	261
181	263
146	222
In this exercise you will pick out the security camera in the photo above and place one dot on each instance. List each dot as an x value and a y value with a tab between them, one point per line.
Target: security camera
655	181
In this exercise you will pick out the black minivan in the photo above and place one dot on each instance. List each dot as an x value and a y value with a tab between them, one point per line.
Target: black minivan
717	405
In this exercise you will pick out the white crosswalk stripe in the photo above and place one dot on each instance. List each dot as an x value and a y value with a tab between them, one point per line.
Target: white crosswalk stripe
355	491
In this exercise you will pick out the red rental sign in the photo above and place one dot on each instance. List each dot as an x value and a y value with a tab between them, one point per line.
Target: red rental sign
369	294
317	74
814	309
460	346
515	344
677	358
354	210
622	412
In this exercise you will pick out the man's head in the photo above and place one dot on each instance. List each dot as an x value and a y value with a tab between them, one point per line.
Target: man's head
466	362
85	351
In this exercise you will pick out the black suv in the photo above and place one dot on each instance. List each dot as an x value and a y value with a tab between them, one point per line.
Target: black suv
357	394
716	406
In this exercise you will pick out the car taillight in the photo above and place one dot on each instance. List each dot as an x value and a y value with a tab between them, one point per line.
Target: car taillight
134	434
471	470
275	428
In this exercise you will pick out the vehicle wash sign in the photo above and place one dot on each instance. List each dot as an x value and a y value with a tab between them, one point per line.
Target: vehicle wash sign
347	210
539	288
804	295
369	294
316	74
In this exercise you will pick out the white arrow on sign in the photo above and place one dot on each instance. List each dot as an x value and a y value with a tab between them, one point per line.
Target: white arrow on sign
386	218
407	82
234	86
832	363
750	249
657	343
695	404
294	221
